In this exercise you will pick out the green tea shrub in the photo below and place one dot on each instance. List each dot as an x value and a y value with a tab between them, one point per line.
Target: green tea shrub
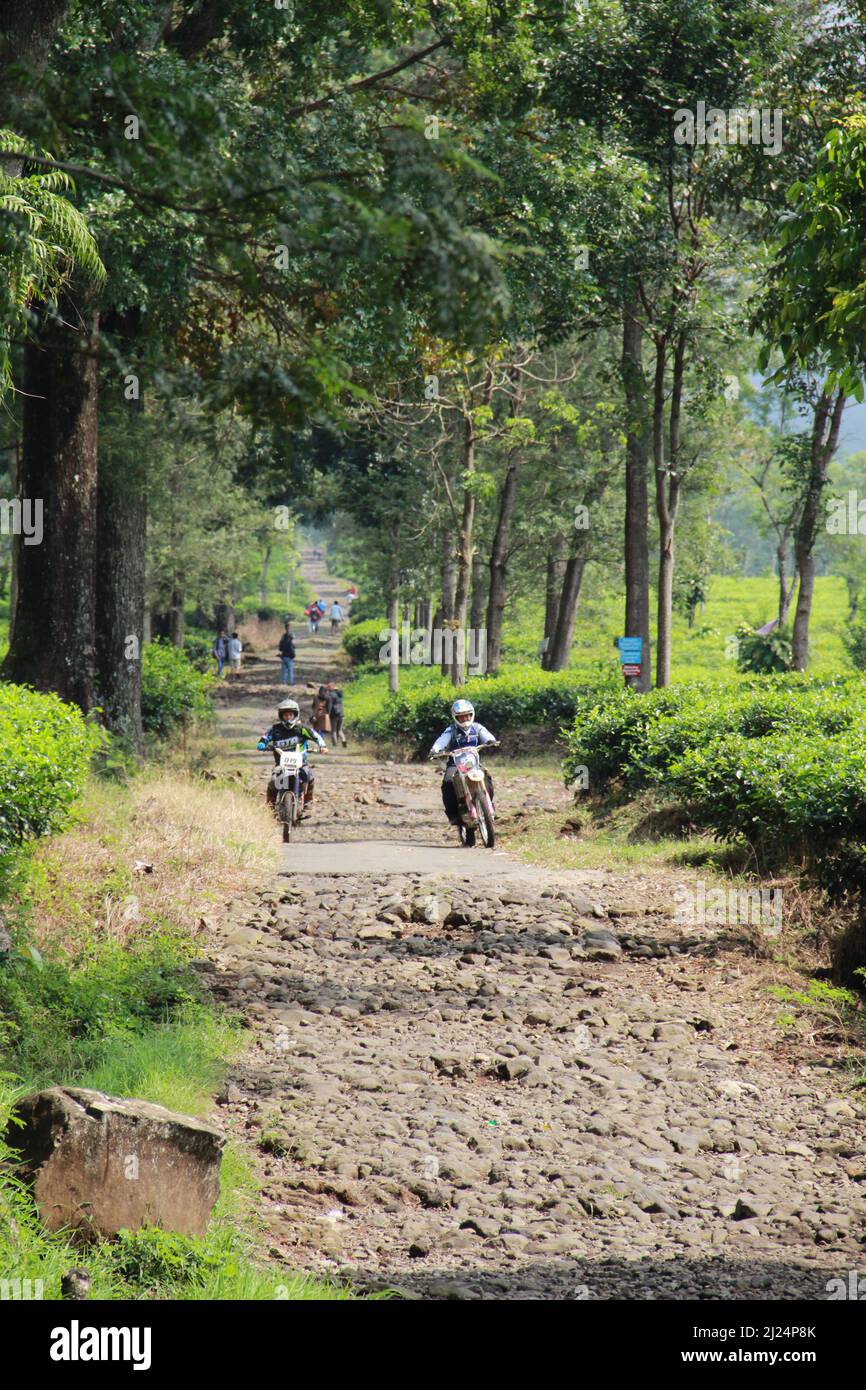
45	751
173	693
527	698
363	641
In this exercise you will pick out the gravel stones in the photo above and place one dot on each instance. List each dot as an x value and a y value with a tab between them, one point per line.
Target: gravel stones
513	1089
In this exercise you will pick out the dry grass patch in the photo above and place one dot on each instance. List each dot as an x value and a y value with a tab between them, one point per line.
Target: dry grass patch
262	637
158	853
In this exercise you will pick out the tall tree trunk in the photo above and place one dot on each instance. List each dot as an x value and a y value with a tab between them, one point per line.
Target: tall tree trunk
559	650
563	634
478	601
27	34
224	617
121	550
120	599
449	581
13	557
464	550
553	588
263	582
177	618
826	424
637	587
668	481
786	590
53	640
394	647
499	564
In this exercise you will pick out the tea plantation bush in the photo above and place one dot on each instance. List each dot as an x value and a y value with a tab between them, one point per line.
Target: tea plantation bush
637	738
521	699
45	750
197	648
173	692
780	761
789	796
362	640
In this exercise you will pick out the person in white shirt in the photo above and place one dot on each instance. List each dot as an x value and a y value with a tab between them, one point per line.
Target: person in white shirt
462	732
336	615
236	646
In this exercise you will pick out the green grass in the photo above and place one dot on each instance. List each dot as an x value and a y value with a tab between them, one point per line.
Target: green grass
543	844
364	695
698	654
179	1064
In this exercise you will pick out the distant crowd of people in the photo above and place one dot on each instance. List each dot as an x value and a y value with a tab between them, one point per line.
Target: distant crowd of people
315	611
327	704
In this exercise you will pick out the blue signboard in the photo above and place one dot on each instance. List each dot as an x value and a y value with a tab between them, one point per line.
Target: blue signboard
630	650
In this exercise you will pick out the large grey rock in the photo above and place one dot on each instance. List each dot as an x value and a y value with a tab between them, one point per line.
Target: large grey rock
103	1164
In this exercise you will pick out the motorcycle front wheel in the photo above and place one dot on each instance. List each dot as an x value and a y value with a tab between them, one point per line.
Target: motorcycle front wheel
288	814
485	821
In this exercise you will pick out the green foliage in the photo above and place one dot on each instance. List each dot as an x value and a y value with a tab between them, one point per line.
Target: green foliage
779	761
818	995
197	649
45	751
44	237
854	639
789	796
173	693
178	1063
815	304
364	608
363	640
61	1016
623	736
151	1256
526	698
762	653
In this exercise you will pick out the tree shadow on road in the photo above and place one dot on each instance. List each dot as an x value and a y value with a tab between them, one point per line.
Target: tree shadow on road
709	1279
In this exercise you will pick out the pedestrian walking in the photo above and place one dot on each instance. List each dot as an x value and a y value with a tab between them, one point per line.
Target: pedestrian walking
336	615
220	650
335	713
320	719
287	656
236	648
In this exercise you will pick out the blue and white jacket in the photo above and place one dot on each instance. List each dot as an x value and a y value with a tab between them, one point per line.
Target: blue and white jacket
282	735
469	737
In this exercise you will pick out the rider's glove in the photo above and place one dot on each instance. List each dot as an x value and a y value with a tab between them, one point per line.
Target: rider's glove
261	744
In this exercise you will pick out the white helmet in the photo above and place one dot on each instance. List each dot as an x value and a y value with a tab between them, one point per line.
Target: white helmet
459	710
289	712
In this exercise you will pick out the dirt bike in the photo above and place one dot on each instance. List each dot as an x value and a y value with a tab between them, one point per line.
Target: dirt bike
289	803
473	802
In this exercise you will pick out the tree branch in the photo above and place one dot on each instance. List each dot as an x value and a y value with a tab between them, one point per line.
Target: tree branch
361	83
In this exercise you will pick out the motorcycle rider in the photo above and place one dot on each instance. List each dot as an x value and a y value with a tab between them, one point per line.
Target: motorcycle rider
462	732
288	732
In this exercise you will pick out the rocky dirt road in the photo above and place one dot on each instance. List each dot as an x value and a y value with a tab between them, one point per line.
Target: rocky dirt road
471	1079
